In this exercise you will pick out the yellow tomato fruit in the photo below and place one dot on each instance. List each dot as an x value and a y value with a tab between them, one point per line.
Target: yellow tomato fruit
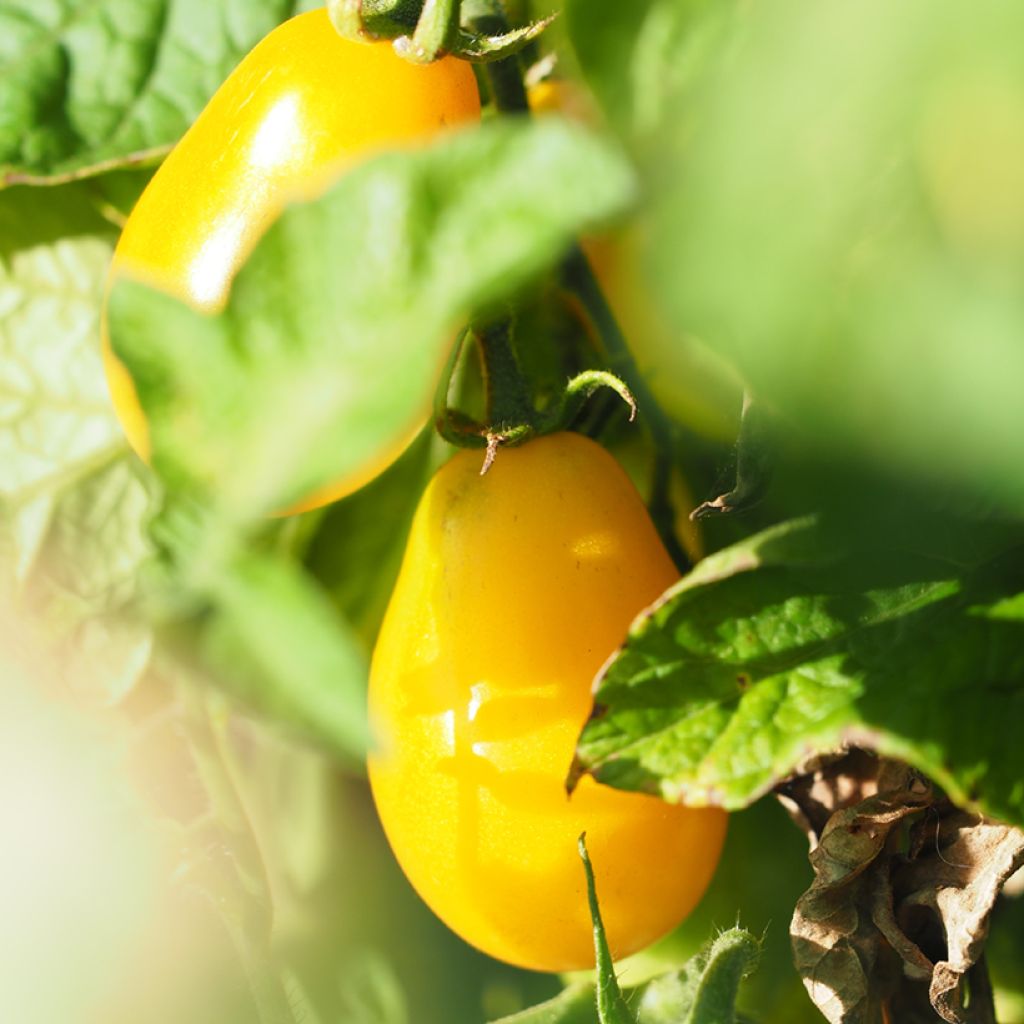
303	105
516	586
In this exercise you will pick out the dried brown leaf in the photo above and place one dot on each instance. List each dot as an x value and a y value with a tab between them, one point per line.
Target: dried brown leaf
836	944
957	882
895	923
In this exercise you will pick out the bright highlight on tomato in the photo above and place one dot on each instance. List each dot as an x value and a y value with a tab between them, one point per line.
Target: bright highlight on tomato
299	108
515	588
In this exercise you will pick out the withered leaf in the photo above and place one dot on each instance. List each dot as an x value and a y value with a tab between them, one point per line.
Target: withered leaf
893	928
957	880
836	943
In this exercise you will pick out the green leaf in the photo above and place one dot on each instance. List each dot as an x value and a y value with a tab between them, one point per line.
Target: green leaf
74	502
705	990
85	583
90	86
372	993
273	640
762	872
702	991
573	1005
637	57
792	643
480	48
836	209
56	419
250	405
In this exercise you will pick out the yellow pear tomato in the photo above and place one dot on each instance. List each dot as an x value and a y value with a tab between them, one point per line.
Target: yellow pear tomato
303	105
515	588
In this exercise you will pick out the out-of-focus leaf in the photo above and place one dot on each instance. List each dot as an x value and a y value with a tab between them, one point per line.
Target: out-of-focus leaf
87	86
837	210
56	422
63	789
755	462
319	362
371	994
74	503
86	585
1004	952
790	643
356	551
636	57
274	640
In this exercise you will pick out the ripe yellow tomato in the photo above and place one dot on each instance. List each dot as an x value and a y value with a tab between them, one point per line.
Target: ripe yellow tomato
299	108
516	586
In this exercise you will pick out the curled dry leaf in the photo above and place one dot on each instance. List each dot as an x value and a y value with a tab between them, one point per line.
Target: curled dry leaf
893	927
956	884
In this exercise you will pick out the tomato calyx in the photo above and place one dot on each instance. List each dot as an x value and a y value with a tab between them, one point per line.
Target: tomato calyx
422	33
512	417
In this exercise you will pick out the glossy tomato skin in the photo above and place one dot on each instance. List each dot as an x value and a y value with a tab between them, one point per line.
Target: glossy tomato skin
300	107
515	588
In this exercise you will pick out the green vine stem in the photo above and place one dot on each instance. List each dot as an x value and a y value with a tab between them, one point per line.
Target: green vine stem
511	416
611	1007
452	425
578	278
504	76
437	26
347	16
582	387
509	403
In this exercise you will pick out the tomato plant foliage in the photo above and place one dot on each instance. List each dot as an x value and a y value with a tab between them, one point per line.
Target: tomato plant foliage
824	197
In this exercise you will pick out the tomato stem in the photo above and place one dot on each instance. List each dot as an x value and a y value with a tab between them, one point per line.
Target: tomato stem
509	402
579	389
505	76
451	424
611	1007
347	18
578	278
437	26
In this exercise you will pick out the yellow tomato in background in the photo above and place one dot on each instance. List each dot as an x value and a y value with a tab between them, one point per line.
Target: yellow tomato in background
299	108
515	588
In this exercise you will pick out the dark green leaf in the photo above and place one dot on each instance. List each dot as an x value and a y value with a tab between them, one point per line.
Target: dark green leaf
88	86
790	643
